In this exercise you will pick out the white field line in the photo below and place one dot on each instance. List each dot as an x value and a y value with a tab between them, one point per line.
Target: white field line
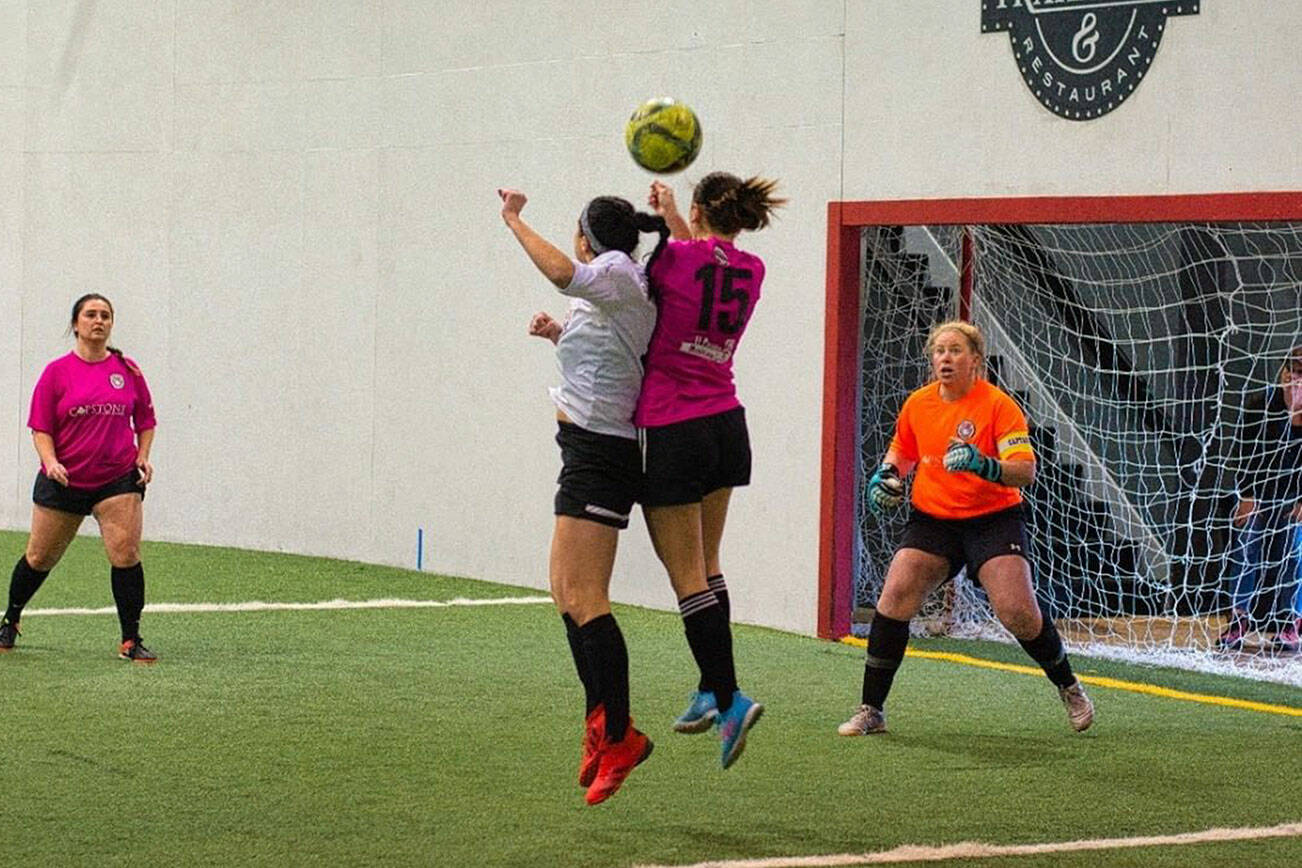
258	606
977	850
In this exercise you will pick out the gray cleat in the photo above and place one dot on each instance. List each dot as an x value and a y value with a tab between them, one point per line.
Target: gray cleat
866	720
1080	710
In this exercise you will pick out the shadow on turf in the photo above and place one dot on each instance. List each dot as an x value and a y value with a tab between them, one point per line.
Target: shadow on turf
985	751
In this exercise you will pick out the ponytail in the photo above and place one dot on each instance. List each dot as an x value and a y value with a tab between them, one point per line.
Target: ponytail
652	223
730	204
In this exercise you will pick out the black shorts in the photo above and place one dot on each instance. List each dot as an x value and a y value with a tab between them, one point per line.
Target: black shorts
601	475
968	542
81	501
687	460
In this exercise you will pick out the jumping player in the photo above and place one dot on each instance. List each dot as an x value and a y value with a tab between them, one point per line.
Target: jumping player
969	443
695	440
92	421
599	347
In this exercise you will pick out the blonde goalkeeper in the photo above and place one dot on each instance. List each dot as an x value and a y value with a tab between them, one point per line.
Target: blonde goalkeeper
967	444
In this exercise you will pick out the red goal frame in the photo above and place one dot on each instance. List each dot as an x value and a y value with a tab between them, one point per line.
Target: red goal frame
841	348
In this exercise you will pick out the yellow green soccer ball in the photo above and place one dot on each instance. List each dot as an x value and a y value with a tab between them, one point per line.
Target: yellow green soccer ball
663	135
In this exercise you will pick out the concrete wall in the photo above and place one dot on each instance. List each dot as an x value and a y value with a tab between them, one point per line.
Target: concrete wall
291	204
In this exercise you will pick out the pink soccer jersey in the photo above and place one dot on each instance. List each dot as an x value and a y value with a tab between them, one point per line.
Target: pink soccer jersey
706	291
93	411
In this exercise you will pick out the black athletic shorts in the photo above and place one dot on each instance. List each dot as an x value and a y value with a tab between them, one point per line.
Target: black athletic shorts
601	475
968	542
81	501
687	460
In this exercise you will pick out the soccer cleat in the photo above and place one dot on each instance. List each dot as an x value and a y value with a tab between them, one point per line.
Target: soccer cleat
866	720
594	733
1231	639
1287	640
700	713
617	760
734	724
1080	710
8	633
135	651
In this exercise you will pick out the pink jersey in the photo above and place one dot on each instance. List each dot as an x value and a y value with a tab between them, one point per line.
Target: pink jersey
93	410
706	290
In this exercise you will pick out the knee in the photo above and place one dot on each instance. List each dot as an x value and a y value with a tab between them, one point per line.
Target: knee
124	555
39	559
1024	622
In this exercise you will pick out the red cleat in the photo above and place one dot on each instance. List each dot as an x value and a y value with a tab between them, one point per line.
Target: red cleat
135	651
617	760
594	733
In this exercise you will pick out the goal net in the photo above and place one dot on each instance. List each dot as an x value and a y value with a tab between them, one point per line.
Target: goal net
1154	362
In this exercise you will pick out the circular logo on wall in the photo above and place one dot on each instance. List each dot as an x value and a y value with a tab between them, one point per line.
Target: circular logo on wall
117	381
1082	58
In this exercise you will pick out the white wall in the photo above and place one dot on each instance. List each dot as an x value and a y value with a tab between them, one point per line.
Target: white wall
291	204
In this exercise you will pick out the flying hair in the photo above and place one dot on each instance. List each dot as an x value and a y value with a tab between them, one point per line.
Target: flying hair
731	205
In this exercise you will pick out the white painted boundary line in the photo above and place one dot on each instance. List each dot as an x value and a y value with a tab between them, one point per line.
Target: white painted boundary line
978	850
257	606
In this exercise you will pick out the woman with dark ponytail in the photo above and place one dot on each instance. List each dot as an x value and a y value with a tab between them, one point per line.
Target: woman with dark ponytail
92	421
695	441
599	347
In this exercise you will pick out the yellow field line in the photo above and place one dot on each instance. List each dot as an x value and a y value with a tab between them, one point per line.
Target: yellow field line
1114	683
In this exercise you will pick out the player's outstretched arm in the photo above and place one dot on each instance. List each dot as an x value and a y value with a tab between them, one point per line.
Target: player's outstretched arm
555	265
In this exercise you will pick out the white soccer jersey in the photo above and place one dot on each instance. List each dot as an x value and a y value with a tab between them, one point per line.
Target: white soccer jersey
602	344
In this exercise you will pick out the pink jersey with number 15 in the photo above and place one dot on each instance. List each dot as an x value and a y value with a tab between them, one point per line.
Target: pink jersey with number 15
706	290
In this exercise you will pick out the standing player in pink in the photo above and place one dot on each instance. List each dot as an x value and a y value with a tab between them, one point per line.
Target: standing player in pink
92	422
696	448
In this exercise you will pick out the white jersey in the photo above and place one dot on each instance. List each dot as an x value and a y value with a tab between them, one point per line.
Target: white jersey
602	344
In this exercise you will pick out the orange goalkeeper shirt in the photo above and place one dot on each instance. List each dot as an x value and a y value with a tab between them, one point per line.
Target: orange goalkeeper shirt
985	417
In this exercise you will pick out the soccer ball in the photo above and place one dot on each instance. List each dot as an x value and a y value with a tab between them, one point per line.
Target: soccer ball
663	135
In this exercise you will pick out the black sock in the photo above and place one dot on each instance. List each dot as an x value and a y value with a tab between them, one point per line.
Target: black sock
22	586
887	639
591	697
720	589
710	638
1046	649
129	594
608	657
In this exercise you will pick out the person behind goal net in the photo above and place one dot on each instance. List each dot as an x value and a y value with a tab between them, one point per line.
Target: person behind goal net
1269	511
969	444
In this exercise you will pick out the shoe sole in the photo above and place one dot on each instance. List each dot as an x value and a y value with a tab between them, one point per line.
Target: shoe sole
857	732
752	717
650	746
692	727
138	662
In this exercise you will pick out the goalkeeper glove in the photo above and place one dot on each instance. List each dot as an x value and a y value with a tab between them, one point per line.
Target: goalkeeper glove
885	489
964	457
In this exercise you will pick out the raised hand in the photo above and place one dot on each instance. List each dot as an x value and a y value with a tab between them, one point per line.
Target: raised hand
512	201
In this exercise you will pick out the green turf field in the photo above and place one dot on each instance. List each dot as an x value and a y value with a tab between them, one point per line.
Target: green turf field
450	736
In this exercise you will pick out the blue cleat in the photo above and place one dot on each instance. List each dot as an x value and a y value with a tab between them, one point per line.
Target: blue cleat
700	714
735	723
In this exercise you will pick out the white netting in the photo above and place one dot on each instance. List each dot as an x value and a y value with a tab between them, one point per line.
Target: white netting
1148	360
